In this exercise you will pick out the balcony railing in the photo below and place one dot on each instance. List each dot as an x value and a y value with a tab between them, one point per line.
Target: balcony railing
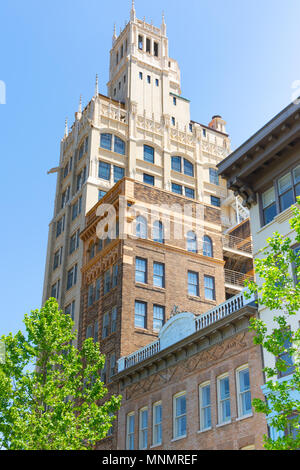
240	244
236	279
201	322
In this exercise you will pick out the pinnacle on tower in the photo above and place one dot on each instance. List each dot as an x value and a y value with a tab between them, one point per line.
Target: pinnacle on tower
114	35
163	25
132	13
80	105
96	86
66	128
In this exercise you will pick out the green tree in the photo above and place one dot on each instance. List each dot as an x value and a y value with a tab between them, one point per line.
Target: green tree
280	293
49	390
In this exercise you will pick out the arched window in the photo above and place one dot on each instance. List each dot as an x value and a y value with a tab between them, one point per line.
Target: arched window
119	146
141	230
192	242
188	168
158	232
207	247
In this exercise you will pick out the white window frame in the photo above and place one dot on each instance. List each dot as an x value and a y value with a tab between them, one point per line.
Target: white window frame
201	407
156	425
239	393
143	431
175	418
128	434
220	413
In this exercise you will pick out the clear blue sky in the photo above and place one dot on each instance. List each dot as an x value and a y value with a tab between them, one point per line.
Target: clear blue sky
238	58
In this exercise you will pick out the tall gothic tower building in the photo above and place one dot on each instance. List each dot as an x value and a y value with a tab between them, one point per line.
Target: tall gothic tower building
142	130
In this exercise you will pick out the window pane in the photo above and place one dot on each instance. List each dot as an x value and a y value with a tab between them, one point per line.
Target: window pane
268	197
176	164
158	317
215	201
119	146
141	227
296	174
207	246
192	242
148	154
158	275
193	284
149	179
140	270
213	176
105	141
270	213
176	188
284	183
140	314
224	388
188	168
104	171
158	232
118	173
286	200
190	193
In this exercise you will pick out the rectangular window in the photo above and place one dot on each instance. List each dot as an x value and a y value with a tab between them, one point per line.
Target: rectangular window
141	270
148	45
114	320
193	283
288	360
173	121
243	391
179	415
107	281
89	332
155	49
158	317
105	141
143	438
115	275
55	290
130	432
60	226
205	406
189	192
65	197
148	79
209	287
90	295
174	101
176	188
98	290
140	42
156	82
118	173
224	400
141	75
269	205
112	365
159	275
157	424
148	179
105	326
76	208
140	315
285	191
148	154
57	259
215	201
214	177
74	242
72	277
104	171
70	310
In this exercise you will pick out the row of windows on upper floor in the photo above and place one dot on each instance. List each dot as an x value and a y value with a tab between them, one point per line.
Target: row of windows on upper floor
180	408
281	195
151	46
71	281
